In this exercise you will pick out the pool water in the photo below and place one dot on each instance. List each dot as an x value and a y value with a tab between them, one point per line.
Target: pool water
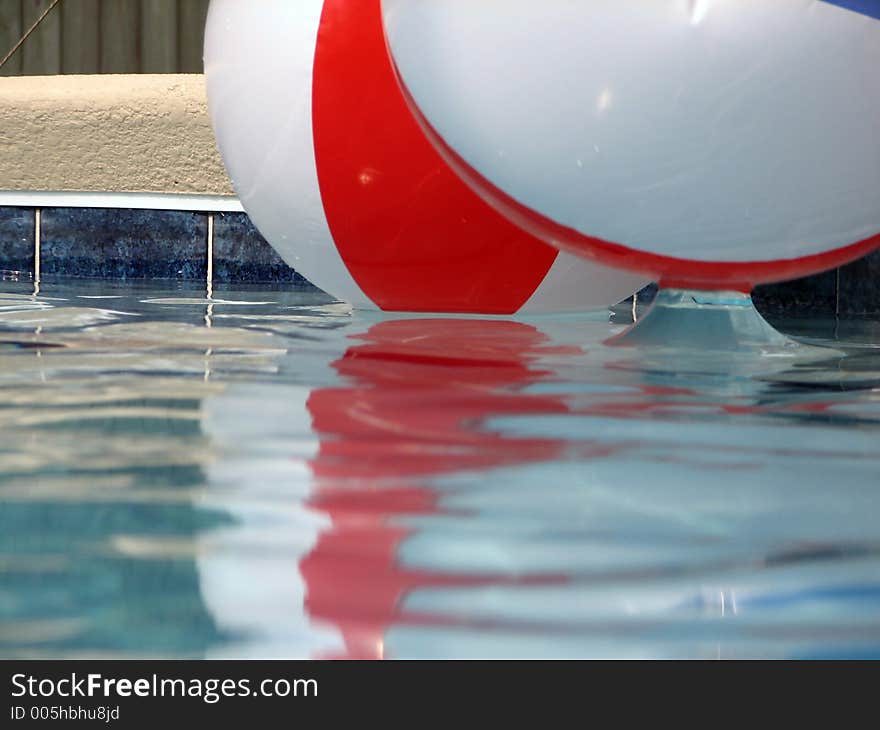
265	473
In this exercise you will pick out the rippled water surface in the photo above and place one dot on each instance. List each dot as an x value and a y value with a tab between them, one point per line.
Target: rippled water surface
267	473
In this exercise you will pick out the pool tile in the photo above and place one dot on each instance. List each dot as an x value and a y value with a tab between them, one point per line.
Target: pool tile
860	286
812	294
17	241
241	254
150	244
646	294
817	293
124	244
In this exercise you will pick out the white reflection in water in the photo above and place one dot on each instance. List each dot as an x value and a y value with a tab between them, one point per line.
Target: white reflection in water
302	480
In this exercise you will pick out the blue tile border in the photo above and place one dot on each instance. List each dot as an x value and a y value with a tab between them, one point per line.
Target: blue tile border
242	255
859	286
814	294
124	244
17	242
158	244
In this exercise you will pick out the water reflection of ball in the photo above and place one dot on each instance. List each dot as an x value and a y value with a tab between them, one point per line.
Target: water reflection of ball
337	174
704	142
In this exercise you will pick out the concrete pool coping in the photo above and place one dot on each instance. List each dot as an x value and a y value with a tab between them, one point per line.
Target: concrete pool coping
109	134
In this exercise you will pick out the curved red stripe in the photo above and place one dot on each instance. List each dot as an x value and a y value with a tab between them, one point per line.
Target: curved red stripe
670	271
411	233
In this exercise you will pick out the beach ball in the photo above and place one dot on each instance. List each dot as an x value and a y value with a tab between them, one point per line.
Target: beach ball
704	143
337	174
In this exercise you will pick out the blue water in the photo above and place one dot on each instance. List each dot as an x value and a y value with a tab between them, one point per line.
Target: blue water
267	474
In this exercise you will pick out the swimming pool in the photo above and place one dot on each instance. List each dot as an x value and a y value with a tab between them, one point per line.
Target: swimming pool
265	473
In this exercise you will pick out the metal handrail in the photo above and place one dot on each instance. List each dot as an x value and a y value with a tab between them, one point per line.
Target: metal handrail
27	34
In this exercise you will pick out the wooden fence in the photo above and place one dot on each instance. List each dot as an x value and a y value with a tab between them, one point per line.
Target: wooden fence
105	36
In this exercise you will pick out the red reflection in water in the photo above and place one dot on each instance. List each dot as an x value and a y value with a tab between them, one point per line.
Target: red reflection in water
417	392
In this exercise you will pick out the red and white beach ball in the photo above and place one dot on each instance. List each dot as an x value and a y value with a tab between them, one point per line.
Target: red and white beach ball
337	174
707	143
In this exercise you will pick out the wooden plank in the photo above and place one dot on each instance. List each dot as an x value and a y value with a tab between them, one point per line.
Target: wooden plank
120	36
191	34
159	42
80	39
10	32
41	53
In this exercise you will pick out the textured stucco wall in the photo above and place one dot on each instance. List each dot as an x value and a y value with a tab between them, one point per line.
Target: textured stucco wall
126	133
